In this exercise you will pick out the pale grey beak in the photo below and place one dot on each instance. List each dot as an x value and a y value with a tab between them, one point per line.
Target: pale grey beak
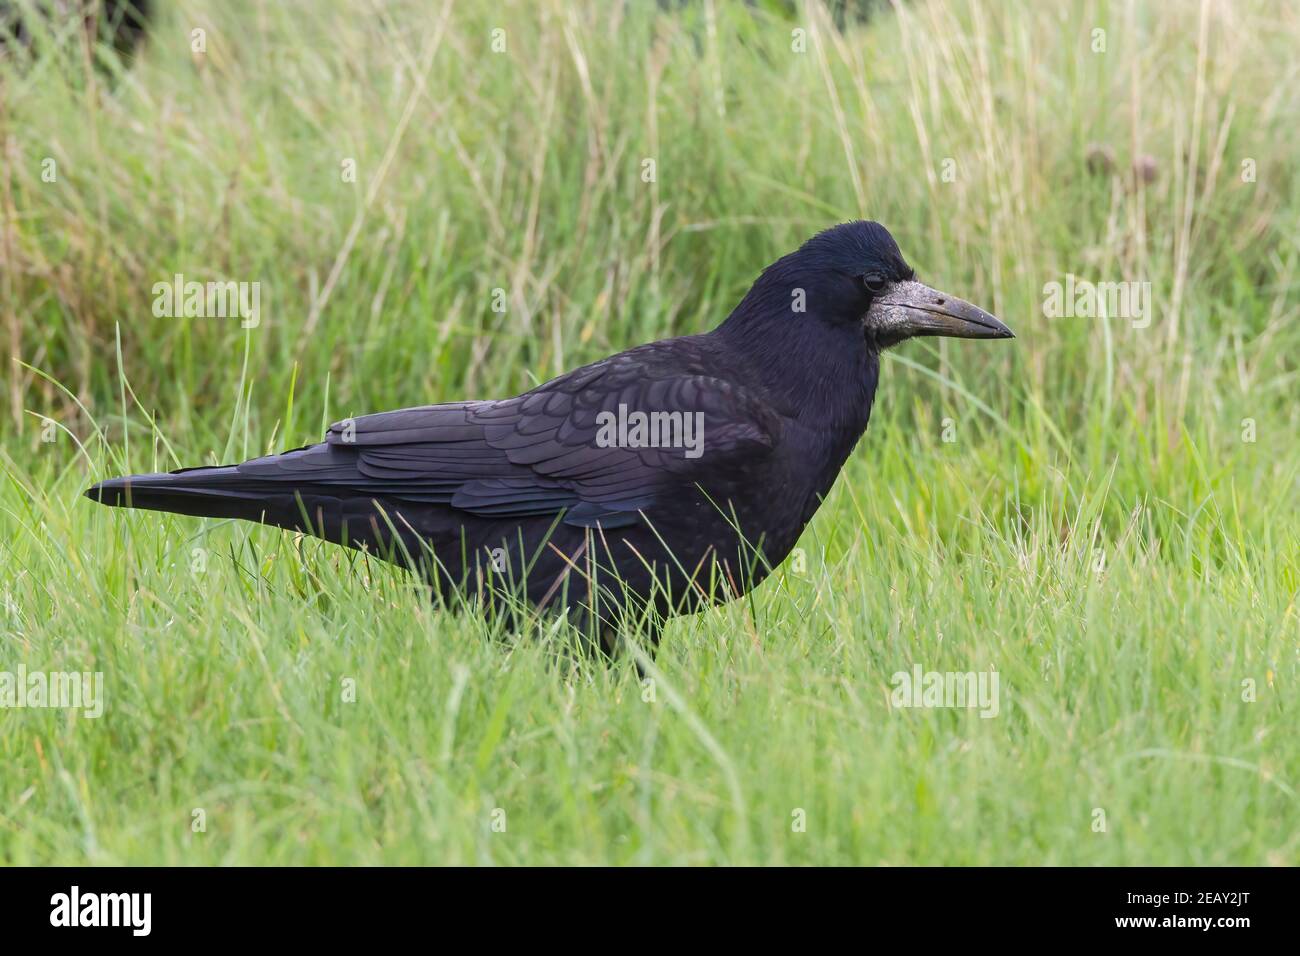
910	309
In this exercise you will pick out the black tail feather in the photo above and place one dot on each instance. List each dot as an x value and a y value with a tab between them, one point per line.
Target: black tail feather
204	492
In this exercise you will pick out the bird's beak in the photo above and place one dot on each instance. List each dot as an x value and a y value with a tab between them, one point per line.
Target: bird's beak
910	309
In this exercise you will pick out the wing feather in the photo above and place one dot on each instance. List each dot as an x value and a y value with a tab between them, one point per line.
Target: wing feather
542	452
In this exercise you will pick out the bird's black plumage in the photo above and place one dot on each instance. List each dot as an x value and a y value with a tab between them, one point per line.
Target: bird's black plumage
542	496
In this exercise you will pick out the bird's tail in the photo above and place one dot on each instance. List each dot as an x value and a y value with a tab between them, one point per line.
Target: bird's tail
309	489
220	492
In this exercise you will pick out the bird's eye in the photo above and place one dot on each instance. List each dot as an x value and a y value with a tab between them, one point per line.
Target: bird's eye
874	282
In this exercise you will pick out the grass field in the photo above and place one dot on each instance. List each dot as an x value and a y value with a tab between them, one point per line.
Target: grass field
1106	511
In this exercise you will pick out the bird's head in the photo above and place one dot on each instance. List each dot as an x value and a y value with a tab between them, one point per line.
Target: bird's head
861	280
814	324
851	281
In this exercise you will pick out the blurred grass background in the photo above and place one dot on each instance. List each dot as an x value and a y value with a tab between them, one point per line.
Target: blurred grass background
1113	524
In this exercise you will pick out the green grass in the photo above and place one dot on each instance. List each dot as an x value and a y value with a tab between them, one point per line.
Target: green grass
1098	531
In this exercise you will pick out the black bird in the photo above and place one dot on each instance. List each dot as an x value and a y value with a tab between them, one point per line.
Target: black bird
651	483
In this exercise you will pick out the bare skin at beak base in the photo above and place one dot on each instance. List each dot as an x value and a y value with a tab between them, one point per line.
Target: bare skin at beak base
912	308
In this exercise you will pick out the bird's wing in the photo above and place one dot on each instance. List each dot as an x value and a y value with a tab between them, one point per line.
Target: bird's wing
554	449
